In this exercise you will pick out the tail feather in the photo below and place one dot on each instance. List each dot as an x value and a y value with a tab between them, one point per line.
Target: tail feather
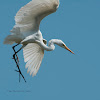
10	39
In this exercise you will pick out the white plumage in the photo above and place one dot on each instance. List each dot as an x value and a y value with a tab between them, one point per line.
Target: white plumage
33	55
26	32
28	19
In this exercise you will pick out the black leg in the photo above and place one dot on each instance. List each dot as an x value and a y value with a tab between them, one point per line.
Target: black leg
20	73
19	77
15	52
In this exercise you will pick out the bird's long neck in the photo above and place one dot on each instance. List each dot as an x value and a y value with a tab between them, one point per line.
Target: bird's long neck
50	46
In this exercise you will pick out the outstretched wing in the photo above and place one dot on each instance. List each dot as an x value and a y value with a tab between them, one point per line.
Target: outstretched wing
28	17
33	55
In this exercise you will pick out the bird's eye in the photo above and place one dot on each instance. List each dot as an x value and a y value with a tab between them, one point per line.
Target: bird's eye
63	44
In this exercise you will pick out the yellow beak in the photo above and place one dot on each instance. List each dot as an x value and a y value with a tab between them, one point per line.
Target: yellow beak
68	49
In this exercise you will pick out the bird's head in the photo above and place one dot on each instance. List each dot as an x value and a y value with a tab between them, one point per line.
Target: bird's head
62	44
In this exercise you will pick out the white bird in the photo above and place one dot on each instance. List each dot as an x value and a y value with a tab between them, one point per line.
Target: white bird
26	32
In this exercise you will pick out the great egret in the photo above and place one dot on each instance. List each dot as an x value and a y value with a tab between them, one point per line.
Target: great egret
26	32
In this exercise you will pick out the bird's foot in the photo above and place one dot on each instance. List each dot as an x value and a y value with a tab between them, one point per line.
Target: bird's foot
20	73
17	70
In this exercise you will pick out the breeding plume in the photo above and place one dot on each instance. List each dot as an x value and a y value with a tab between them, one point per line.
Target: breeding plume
26	32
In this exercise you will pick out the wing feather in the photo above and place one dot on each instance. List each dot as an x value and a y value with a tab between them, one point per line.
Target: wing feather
28	18
37	68
33	66
32	63
33	55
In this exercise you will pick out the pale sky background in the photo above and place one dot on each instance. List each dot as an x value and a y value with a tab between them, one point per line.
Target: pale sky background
62	75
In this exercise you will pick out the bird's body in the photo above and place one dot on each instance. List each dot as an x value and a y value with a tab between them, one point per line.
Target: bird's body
28	19
26	32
